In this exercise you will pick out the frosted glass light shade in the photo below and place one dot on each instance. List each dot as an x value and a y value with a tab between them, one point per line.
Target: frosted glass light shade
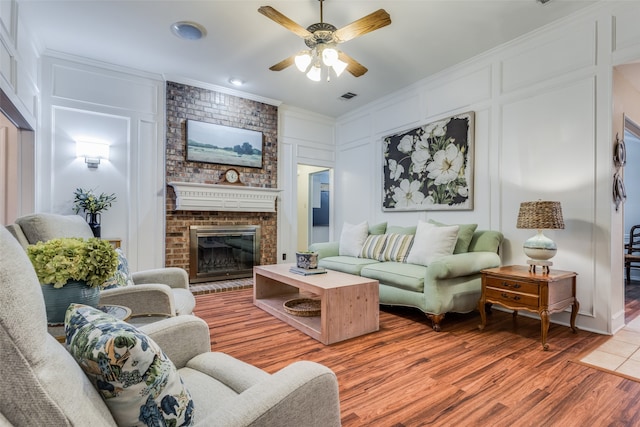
339	67
302	61
315	73
92	151
329	56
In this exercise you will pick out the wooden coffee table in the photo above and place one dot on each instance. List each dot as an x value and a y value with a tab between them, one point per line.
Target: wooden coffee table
348	303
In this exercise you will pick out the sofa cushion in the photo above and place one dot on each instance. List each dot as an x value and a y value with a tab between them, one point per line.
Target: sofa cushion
378	228
465	234
431	242
397	247
43	226
373	246
395	229
122	276
397	274
345	264
486	241
352	238
137	381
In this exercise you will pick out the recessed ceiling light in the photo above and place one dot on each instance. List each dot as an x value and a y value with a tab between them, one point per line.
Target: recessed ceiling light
236	81
188	30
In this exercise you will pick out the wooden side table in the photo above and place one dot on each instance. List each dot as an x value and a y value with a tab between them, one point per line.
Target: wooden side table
115	241
120	312
516	288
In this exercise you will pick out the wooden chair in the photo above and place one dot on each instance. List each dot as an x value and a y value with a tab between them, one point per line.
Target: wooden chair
632	255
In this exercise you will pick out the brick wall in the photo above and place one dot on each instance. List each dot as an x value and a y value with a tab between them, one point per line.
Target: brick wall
186	102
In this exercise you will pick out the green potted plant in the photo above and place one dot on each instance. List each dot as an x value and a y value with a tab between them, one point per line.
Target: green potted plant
92	204
72	270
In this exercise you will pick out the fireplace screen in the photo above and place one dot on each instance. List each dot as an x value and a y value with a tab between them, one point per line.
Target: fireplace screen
223	252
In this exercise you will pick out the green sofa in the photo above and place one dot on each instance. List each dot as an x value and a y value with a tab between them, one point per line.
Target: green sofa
449	283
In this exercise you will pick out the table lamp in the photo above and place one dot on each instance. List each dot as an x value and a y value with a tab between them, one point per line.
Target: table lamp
540	215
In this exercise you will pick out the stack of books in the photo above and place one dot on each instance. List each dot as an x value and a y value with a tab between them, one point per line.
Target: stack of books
307	271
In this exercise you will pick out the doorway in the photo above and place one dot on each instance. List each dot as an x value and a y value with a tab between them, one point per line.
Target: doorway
314	205
17	163
632	210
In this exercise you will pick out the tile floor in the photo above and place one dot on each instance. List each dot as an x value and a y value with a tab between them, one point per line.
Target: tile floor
620	353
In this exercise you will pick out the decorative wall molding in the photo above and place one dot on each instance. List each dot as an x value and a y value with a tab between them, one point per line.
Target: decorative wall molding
214	197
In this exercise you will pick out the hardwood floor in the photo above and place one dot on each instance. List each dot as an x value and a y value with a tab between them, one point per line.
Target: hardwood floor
408	375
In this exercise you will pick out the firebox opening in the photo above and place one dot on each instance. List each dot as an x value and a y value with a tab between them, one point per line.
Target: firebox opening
223	252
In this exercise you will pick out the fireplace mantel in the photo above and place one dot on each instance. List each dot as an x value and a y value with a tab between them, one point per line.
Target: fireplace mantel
215	197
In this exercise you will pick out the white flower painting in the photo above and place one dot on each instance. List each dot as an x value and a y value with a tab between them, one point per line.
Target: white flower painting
430	167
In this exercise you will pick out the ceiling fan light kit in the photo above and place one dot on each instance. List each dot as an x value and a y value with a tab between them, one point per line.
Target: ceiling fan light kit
322	39
311	61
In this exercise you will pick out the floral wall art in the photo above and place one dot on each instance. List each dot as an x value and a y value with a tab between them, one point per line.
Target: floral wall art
430	167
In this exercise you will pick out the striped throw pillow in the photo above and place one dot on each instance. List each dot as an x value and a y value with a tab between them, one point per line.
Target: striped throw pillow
397	247
373	246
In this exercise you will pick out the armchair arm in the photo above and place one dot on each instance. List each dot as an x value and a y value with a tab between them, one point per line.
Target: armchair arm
326	249
174	277
459	265
142	299
181	338
303	393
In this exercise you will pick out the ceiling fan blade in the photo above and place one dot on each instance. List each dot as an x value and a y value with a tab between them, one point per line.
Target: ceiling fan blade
371	22
353	66
279	18
283	64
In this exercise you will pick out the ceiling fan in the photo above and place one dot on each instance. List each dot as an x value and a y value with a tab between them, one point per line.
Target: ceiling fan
322	39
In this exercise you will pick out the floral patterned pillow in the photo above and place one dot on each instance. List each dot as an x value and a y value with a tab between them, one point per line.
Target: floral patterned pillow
137	381
122	276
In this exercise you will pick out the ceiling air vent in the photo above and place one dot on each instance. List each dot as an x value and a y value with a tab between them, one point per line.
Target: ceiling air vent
347	96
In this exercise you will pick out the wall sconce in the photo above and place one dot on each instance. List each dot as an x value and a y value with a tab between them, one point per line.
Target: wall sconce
93	152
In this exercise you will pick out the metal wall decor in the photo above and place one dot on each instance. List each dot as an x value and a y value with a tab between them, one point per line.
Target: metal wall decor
619	160
619	153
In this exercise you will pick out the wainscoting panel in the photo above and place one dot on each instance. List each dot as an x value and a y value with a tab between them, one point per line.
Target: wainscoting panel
547	153
453	95
573	49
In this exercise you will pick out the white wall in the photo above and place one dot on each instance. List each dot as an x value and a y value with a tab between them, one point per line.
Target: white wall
304	138
543	130
126	109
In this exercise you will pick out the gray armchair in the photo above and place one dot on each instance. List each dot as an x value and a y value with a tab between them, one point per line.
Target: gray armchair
162	292
44	386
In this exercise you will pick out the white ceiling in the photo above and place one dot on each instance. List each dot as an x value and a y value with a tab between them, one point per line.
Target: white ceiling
425	37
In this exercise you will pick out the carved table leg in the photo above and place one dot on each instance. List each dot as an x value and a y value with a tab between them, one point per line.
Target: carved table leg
544	328
574	313
482	307
435	320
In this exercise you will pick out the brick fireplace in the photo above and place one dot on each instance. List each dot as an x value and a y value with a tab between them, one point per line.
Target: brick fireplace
186	102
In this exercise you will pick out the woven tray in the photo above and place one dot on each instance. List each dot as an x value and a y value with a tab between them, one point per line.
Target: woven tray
303	307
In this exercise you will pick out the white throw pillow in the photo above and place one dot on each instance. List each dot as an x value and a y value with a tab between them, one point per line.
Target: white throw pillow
432	242
352	238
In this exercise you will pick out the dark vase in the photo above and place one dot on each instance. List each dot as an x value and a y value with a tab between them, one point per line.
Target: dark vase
94	222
